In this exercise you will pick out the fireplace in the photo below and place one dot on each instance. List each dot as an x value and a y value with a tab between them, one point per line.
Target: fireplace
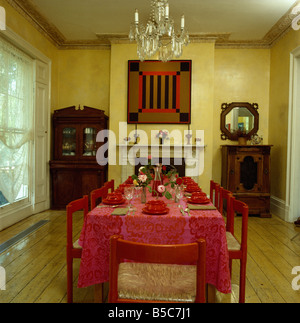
188	159
178	163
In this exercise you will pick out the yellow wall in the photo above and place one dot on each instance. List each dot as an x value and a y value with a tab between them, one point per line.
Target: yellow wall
241	75
83	78
279	104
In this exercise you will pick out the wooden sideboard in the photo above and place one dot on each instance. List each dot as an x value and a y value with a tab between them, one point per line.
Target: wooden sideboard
246	173
74	168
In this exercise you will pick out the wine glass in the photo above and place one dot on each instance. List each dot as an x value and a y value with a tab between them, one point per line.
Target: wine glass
128	193
178	193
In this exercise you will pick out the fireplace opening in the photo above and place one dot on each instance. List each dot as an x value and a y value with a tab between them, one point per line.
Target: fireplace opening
178	163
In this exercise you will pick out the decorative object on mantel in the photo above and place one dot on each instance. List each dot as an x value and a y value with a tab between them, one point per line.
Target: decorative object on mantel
159	93
127	139
256	139
189	136
159	36
239	121
162	135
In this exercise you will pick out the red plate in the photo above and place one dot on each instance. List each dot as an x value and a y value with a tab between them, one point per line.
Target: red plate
193	191
200	201
114	202
165	211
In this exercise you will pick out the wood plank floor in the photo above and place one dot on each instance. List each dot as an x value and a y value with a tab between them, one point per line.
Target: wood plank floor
36	267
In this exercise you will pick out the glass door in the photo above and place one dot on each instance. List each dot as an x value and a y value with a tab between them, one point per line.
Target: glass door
69	142
89	141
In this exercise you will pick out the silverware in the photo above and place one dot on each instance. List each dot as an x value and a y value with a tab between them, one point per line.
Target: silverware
188	211
113	206
181	209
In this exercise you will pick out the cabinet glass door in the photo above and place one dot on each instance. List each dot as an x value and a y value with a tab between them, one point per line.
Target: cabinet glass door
69	142
89	141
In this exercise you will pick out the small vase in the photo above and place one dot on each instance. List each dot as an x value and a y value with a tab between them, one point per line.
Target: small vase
161	141
242	140
156	182
143	195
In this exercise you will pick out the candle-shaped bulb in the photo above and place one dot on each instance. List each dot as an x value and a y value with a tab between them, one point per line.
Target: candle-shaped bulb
182	22
136	16
167	11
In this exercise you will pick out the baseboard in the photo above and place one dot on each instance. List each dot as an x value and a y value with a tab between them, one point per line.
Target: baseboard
279	208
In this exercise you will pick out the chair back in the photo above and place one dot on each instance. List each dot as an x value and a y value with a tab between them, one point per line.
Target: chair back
72	207
224	204
239	207
110	185
157	254
97	195
215	194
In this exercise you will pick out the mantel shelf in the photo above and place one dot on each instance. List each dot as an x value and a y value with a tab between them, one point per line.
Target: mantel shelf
160	146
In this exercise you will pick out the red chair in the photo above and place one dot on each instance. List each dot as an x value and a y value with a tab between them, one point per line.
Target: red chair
110	185
97	195
157	273
238	250
74	250
215	194
225	196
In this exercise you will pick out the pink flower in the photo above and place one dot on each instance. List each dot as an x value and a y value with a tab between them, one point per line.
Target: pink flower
142	178
161	188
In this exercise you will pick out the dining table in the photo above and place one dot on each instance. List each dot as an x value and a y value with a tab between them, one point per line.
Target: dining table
181	223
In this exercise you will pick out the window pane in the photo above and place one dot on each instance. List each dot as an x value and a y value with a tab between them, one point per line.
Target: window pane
16	123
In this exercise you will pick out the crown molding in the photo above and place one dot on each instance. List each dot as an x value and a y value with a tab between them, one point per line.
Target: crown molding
104	41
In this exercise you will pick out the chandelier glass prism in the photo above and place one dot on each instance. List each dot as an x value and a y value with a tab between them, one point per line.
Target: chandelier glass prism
159	35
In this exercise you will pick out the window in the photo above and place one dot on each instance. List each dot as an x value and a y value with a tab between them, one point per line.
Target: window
16	123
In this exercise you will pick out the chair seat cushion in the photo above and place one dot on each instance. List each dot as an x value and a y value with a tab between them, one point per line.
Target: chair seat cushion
76	245
232	243
159	282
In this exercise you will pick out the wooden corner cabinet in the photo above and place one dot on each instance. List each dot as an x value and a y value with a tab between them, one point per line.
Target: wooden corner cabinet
74	168
246	173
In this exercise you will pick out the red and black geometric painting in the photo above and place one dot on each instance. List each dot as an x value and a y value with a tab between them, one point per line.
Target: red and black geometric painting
159	92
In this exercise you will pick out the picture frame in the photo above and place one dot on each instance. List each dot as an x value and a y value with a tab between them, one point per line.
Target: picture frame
159	92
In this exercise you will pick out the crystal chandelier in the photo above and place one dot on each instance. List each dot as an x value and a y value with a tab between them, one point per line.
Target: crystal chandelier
159	35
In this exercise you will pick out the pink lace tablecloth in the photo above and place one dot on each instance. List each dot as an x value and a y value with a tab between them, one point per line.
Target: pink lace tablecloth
172	228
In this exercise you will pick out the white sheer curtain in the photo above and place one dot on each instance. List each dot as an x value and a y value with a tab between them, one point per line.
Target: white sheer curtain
16	121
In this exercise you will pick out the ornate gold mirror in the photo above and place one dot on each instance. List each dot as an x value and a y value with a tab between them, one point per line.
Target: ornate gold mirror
239	119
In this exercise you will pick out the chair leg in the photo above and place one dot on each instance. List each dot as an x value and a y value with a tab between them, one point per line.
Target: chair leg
242	281
230	267
70	280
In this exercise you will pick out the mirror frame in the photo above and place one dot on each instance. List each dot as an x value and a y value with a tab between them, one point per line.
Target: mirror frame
226	108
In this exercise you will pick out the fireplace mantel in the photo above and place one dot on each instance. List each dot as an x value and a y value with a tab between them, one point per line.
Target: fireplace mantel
190	155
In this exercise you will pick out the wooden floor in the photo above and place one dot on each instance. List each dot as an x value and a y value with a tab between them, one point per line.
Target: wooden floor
36	267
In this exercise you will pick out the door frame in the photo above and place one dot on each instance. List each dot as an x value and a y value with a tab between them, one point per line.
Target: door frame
293	148
9	214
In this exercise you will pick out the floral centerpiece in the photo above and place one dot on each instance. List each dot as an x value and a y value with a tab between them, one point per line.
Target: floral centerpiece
162	135
144	178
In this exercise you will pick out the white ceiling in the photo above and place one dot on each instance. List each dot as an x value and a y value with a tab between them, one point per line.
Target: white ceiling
244	20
